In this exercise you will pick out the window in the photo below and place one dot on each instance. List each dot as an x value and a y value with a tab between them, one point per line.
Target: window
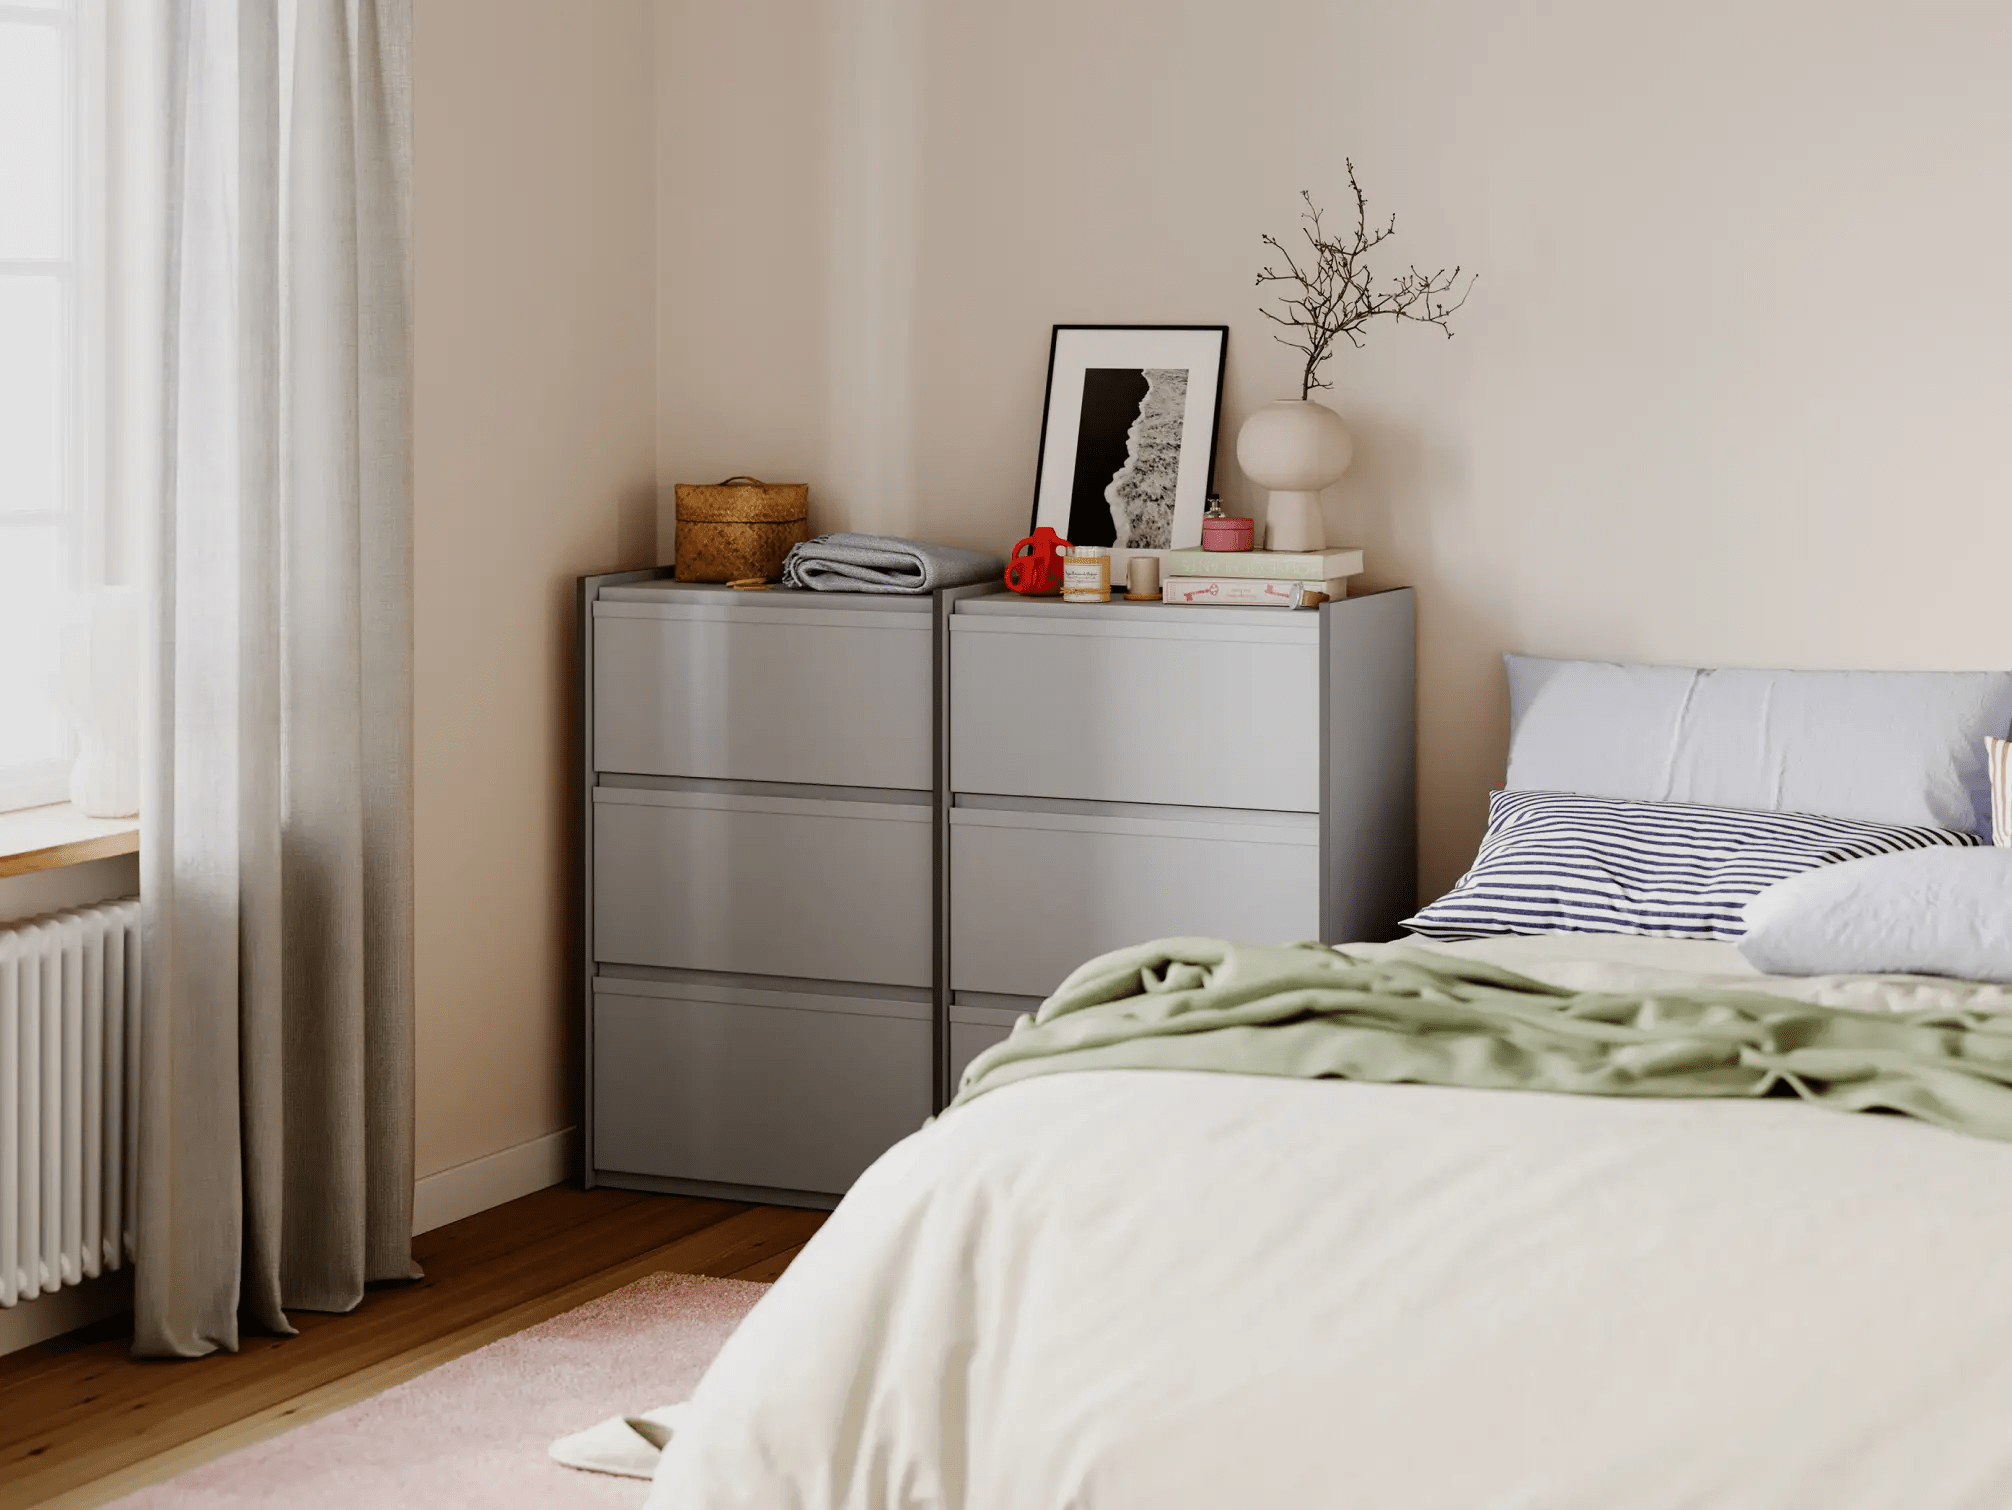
49	482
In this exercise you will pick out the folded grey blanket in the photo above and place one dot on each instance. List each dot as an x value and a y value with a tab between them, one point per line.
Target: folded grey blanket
882	563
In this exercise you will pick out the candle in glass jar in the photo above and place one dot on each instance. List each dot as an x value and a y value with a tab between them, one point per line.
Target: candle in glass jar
1086	574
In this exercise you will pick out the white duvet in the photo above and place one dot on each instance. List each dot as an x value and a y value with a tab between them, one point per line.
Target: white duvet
1159	1290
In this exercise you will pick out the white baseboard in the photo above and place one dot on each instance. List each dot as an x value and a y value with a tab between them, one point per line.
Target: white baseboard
31	1321
437	1200
465	1189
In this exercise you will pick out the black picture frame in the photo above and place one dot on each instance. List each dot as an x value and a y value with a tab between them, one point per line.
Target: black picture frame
1110	377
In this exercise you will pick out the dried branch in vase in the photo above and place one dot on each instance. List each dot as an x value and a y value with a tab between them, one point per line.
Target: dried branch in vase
1336	293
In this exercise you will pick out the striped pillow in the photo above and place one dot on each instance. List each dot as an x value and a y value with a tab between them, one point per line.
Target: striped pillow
1558	863
1998	756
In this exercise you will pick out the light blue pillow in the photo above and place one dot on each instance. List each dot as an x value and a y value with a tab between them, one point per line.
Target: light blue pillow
1904	747
1928	912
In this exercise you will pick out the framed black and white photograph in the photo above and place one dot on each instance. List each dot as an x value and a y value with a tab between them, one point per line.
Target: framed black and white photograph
1128	436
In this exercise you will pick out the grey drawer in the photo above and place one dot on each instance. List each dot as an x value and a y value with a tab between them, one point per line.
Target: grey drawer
763	885
1033	895
752	1087
973	1030
820	696
1213	715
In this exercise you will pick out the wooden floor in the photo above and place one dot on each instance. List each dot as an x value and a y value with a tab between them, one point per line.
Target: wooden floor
82	1423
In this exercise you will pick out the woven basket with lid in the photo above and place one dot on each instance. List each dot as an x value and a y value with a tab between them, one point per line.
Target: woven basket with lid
743	527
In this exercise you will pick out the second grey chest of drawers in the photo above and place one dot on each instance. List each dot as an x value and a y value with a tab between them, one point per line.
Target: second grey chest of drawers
1125	772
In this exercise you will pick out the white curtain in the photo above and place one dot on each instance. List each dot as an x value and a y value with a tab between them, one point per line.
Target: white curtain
276	1111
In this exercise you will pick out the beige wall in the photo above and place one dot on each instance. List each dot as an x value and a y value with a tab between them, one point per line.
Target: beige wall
1733	386
535	415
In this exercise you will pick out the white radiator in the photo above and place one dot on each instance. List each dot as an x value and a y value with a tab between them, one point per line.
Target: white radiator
69	1041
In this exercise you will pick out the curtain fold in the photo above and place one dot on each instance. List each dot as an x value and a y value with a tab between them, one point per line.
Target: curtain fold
276	1111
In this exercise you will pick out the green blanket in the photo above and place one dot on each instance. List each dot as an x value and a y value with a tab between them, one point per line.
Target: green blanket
1391	1013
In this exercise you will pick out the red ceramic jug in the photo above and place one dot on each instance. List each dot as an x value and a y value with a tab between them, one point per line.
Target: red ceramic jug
1036	566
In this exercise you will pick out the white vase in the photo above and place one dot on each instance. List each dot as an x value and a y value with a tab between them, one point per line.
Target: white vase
99	688
1295	448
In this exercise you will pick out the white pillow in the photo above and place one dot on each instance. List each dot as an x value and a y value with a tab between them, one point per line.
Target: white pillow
1901	747
1927	912
1998	755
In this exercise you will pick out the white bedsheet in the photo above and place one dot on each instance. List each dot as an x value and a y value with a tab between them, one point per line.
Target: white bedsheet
1162	1291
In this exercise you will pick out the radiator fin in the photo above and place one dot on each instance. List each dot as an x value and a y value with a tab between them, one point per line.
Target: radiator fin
69	1042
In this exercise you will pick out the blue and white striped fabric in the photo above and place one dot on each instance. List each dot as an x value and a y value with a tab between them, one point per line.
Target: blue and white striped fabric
1553	862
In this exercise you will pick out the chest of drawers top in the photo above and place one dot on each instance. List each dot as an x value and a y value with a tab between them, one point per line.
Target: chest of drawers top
1193	620
687	598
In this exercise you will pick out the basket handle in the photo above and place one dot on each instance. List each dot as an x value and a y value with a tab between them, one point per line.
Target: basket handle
742	478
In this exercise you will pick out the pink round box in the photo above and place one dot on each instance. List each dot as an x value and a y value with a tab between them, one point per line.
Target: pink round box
1226	534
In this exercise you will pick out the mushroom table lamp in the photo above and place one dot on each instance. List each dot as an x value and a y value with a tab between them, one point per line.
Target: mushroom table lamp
1295	448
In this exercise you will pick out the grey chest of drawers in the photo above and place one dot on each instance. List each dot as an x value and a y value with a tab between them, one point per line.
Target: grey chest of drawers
760	841
1130	771
832	845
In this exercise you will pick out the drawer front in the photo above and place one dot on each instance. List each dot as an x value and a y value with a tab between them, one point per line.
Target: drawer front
1152	714
830	699
763	886
1034	895
778	1096
967	1041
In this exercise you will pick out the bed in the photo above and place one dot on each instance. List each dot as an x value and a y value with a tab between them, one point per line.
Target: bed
1172	1289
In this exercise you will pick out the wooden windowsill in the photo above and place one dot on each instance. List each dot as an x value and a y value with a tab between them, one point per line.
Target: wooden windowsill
48	838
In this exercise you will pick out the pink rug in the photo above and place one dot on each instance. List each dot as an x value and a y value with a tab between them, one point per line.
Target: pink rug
474	1432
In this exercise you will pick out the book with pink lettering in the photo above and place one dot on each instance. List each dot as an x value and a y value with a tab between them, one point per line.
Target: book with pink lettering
1249	592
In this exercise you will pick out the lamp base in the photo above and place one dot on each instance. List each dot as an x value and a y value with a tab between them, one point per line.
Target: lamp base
1293	522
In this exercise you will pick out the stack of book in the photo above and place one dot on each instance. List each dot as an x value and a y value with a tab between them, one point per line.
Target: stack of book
1282	579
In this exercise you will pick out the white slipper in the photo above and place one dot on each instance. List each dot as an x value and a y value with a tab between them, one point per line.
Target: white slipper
625	1445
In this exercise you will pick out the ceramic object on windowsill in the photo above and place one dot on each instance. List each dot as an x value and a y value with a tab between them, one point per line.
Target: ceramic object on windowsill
1296	448
99	687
